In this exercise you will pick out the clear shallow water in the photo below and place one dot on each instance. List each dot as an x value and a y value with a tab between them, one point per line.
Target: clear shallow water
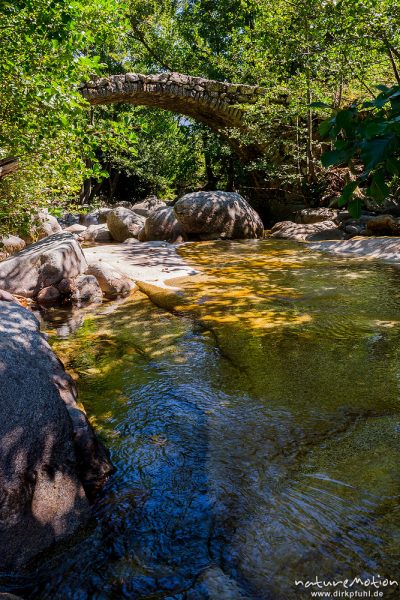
255	431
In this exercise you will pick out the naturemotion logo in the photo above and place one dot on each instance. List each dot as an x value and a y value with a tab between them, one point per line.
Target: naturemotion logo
357	587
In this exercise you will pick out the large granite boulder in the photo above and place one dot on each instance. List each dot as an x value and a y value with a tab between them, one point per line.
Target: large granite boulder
162	225
208	215
112	282
50	459
43	224
42	264
326	230
124	223
148	206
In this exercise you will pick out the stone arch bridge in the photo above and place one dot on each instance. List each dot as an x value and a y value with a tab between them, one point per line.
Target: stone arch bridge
217	104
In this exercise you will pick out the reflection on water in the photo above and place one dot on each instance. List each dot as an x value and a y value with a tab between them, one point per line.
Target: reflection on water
255	432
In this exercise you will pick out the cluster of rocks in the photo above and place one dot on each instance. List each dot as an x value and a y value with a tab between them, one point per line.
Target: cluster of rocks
195	216
54	270
42	226
321	224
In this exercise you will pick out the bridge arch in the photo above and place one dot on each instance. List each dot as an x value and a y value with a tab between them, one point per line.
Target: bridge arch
217	104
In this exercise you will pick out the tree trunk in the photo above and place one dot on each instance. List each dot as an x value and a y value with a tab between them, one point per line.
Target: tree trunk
8	166
310	155
113	184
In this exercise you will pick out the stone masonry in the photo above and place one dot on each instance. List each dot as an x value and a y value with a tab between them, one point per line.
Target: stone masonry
218	104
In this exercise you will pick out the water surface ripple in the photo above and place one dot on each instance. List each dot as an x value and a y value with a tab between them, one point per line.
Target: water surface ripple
255	431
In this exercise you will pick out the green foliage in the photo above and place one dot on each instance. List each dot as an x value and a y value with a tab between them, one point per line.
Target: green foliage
303	51
367	135
47	49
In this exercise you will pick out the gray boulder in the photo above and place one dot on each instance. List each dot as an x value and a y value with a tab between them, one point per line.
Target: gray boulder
383	225
43	224
81	290
112	282
67	219
48	296
12	243
315	215
42	264
86	290
124	204
124	223
76	228
96	217
50	459
326	230
96	233
134	240
148	206
162	225
218	214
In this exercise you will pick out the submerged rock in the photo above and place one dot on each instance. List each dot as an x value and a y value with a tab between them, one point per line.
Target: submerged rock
124	223
224	214
50	459
42	264
161	295
213	583
162	225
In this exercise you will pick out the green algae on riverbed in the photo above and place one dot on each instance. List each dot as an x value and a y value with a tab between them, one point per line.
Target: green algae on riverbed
254	430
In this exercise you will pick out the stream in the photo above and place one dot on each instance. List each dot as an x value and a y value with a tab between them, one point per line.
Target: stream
255	431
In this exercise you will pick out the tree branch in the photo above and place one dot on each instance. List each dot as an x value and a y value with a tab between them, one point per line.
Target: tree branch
142	40
389	50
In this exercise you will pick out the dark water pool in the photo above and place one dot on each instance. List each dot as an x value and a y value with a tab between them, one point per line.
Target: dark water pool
255	432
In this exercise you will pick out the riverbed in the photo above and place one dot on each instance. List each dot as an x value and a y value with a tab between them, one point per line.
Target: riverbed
254	429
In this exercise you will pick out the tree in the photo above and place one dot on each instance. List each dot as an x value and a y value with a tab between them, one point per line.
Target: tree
367	138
